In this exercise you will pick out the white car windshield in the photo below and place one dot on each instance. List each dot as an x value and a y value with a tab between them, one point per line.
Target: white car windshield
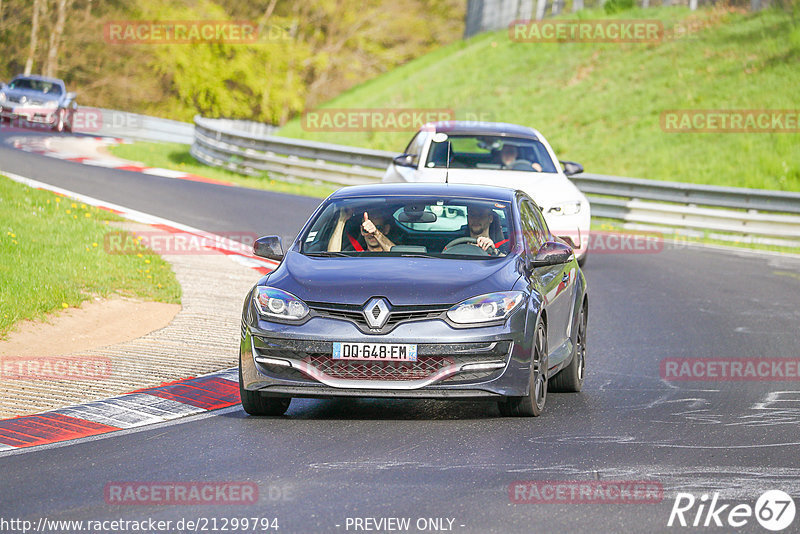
490	152
438	227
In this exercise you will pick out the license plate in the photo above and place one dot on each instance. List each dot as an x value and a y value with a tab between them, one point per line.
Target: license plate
383	352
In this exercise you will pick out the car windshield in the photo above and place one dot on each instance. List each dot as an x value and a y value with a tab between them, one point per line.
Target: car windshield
412	226
36	85
489	152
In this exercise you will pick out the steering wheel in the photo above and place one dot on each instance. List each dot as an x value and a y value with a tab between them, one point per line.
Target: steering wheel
522	165
469	241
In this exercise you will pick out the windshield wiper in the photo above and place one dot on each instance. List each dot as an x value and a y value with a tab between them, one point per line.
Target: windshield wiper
328	254
417	255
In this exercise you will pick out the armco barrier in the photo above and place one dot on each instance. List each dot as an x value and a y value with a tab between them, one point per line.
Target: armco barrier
768	216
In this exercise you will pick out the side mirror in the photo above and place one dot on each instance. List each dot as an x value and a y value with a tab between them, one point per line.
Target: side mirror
570	167
552	253
568	240
405	160
268	247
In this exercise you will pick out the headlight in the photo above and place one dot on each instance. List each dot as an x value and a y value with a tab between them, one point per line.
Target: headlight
566	208
49	104
2	96
486	308
272	302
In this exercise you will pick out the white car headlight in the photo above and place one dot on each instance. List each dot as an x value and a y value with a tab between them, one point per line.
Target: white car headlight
50	104
486	308
2	96
273	302
566	208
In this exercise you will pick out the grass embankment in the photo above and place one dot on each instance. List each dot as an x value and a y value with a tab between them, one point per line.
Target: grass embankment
600	103
175	156
52	256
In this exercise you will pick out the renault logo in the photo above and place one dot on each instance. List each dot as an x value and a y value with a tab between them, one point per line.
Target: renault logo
376	312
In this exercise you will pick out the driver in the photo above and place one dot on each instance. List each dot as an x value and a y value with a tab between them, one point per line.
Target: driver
508	157
479	219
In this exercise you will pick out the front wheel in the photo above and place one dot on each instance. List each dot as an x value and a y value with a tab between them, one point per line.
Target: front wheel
533	403
58	125
570	379
256	404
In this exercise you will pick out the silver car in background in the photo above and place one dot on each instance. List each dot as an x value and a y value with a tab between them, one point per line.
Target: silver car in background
38	100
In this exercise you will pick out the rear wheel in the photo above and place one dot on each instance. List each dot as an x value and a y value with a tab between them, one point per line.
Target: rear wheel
256	404
533	403
570	379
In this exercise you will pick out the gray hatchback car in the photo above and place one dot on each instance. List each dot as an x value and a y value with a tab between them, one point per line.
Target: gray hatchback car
416	291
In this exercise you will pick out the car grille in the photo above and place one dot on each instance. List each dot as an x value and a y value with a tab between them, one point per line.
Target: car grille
366	370
398	314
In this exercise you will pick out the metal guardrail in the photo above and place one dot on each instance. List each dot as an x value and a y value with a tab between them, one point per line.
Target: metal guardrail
770	216
114	123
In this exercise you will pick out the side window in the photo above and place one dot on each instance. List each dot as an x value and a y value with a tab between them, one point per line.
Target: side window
530	229
415	147
544	231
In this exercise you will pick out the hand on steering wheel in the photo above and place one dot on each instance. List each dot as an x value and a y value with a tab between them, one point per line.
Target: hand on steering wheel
471	241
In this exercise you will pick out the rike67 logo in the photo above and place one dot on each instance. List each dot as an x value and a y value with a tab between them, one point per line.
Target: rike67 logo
774	510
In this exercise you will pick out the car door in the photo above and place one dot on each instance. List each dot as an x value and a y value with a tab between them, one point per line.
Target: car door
557	282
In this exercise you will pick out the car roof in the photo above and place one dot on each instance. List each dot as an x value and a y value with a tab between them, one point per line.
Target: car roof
38	78
478	192
482	128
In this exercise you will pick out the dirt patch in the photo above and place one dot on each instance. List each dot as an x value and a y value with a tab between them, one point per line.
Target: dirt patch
97	323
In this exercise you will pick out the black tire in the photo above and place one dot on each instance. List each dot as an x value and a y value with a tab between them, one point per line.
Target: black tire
570	379
533	403
256	404
58	126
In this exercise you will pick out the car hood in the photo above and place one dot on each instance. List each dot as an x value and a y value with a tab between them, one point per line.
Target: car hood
31	97
545	188
402	280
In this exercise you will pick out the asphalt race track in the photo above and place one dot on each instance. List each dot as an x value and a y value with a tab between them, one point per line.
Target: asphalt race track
327	461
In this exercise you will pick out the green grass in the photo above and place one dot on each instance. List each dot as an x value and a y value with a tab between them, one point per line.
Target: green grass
52	256
600	103
176	156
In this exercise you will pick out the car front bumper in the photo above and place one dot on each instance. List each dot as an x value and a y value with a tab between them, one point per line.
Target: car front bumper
40	115
296	360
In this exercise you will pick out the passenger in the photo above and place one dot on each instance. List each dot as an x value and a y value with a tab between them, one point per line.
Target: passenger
374	233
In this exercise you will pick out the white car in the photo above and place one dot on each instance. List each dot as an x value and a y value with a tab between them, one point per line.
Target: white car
508	155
